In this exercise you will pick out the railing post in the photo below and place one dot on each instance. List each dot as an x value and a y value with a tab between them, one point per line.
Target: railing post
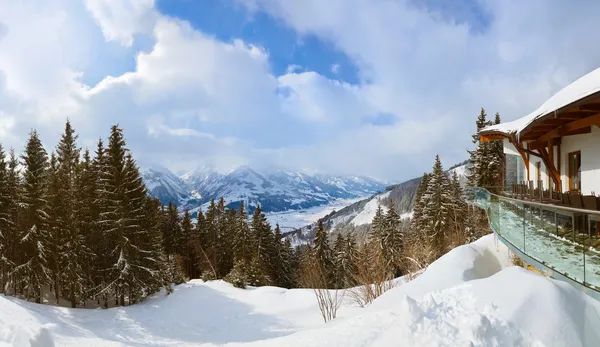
556	222
524	216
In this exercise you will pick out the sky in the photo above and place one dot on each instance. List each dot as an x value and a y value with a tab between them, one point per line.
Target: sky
357	87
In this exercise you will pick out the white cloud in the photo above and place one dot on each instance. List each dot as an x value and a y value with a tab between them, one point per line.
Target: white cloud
191	98
335	68
122	20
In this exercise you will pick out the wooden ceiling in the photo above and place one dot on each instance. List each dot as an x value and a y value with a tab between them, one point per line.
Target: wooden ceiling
573	119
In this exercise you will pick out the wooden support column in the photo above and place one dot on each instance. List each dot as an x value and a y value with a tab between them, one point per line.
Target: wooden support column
549	165
528	173
551	158
560	188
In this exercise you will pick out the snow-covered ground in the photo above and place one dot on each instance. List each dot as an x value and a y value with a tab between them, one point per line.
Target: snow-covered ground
469	297
368	212
294	219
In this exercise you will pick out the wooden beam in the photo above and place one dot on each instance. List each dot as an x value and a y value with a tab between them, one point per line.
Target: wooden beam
539	144
590	107
491	137
558	165
551	158
528	161
574	114
549	165
569	128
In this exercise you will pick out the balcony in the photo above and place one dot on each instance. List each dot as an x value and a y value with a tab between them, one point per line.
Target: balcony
562	240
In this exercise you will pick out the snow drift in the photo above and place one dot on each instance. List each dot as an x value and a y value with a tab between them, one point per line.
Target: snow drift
469	297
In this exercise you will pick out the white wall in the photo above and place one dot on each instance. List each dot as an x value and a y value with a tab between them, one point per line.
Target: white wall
589	145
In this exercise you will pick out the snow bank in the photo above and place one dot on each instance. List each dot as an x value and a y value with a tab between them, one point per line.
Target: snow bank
469	297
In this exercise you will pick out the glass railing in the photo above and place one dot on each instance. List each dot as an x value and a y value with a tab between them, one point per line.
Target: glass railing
563	239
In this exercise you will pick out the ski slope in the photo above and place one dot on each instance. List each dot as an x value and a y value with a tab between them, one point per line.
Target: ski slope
469	297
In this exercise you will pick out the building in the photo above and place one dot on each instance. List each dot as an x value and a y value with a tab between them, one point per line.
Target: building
557	146
550	214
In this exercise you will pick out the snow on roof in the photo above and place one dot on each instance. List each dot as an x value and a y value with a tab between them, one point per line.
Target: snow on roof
584	86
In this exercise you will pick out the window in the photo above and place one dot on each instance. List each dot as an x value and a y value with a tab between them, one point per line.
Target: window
575	171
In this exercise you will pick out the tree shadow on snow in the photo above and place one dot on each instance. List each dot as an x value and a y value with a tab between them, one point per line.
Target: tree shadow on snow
192	314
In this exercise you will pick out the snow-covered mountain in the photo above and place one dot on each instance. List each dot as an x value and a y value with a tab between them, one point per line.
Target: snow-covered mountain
356	218
164	185
274	191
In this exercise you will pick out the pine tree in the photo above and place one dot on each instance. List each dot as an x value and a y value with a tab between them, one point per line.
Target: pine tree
417	220
55	230
133	268
243	238
477	158
11	235
495	163
283	262
33	272
187	230
6	221
72	249
210	235
436	211
393	242
99	238
264	244
376	234
322	252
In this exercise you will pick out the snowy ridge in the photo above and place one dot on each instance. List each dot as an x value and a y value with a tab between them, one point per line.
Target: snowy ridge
469	297
368	212
274	191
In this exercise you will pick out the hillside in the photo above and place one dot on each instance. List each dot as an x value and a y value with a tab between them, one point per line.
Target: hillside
356	218
274	191
466	298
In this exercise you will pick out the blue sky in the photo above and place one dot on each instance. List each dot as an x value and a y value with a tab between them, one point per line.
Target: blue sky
359	87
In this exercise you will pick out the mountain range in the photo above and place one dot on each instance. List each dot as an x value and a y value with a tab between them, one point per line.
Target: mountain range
357	217
275	191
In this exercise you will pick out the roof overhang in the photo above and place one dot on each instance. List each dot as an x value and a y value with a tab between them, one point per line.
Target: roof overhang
571	111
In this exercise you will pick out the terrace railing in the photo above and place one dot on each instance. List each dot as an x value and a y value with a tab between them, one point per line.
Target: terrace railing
563	240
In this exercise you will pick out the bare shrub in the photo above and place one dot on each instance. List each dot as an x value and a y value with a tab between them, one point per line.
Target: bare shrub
418	254
374	275
313	276
516	260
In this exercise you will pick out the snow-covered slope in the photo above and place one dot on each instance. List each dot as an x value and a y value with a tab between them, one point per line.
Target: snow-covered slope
164	185
274	191
469	297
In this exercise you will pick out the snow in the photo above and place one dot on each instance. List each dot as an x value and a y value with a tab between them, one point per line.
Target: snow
469	297
289	220
584	86
368	212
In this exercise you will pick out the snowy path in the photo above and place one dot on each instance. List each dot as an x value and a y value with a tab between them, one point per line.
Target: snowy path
466	298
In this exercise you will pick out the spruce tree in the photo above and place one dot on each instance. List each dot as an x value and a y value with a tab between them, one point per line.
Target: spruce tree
322	252
33	271
6	221
55	222
393	242
11	235
436	211
417	217
477	157
264	244
376	234
187	230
